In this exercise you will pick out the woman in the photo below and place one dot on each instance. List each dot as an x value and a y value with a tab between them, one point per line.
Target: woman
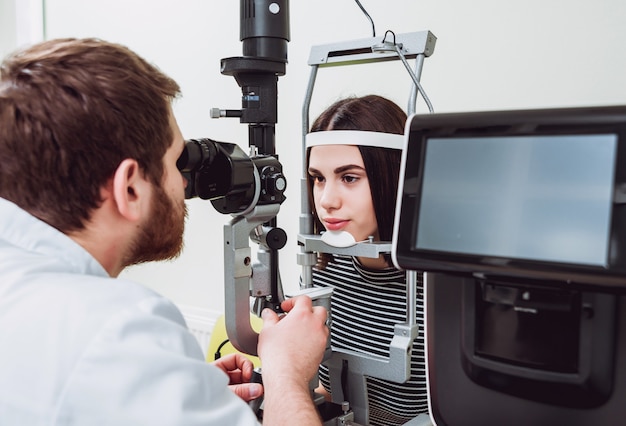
353	180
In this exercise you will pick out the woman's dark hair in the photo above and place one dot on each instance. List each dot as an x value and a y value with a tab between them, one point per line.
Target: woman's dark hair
376	114
70	111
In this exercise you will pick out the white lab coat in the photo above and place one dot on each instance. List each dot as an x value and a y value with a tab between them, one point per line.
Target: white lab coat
80	348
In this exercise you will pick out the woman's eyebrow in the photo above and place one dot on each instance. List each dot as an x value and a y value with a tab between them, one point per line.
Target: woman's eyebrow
348	167
338	170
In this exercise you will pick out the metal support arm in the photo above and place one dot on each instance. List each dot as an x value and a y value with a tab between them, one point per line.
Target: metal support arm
238	275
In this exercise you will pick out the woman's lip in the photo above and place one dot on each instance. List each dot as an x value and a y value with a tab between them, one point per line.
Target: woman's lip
335	225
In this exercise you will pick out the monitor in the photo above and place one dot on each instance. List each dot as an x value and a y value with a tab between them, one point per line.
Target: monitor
518	219
528	193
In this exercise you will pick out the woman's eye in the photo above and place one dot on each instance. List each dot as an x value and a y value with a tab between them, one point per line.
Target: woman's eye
350	179
316	179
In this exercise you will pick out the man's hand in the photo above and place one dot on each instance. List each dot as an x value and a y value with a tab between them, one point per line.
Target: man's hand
293	344
239	370
291	348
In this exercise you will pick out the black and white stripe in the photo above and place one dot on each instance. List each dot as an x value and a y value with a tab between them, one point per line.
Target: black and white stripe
366	305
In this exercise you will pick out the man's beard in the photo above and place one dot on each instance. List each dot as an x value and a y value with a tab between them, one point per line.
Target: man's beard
161	236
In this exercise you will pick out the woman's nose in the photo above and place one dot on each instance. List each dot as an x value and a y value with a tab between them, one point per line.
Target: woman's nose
330	199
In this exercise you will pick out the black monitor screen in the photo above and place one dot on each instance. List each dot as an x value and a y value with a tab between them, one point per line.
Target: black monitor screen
535	193
530	197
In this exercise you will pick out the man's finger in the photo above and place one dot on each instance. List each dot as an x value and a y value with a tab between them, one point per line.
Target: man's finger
269	317
299	302
235	361
248	391
320	312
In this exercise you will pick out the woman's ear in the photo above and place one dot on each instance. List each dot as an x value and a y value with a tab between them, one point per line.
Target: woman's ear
131	191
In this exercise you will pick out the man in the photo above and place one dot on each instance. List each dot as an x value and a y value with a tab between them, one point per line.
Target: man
88	186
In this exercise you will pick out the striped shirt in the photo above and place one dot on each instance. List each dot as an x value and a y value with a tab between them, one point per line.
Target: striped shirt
366	305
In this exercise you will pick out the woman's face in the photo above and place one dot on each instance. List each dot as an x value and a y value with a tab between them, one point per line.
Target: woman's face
341	190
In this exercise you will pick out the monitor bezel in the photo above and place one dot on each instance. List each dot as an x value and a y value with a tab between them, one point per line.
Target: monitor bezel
563	121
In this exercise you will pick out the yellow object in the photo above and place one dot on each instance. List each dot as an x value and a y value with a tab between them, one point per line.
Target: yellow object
219	336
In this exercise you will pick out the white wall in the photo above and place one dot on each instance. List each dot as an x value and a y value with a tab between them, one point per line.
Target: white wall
21	23
490	54
7	26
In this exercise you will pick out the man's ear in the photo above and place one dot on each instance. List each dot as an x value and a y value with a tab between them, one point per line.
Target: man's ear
131	191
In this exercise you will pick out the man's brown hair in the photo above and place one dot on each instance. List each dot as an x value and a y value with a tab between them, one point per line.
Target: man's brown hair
70	111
